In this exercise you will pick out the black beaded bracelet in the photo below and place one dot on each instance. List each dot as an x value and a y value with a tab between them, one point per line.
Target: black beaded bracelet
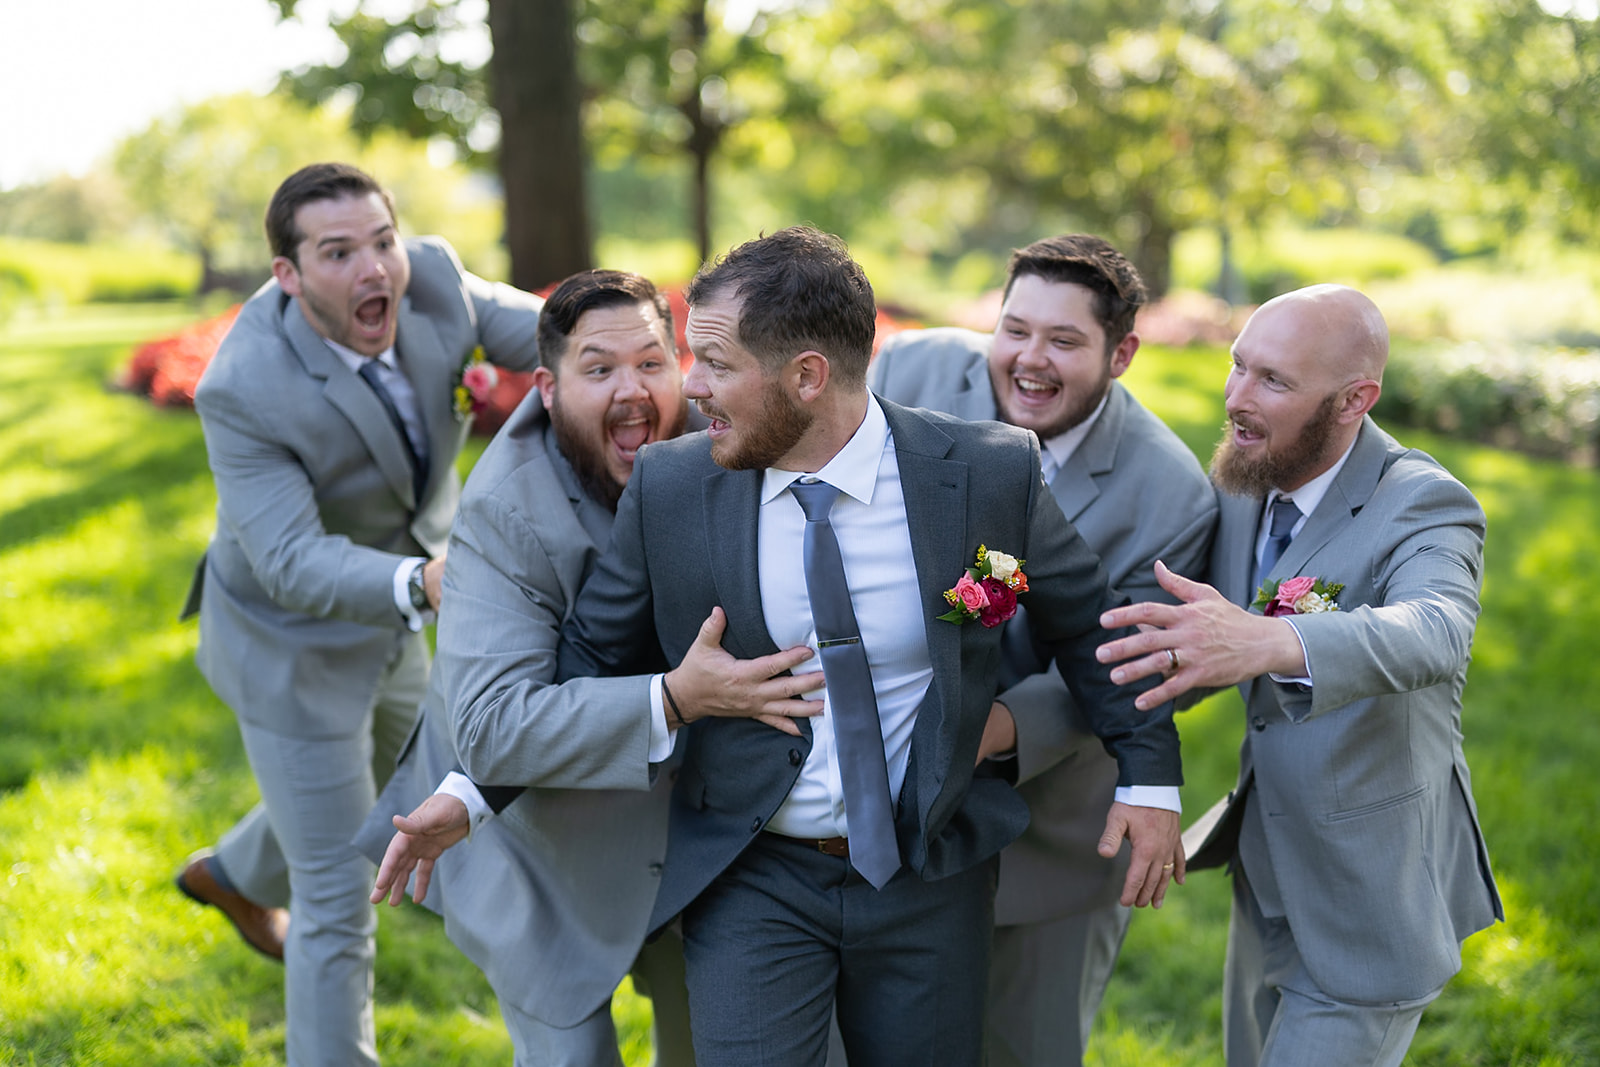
673	704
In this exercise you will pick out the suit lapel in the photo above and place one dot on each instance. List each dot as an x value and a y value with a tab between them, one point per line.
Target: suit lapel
1075	486
355	400
976	401
429	367
1348	494
935	491
732	506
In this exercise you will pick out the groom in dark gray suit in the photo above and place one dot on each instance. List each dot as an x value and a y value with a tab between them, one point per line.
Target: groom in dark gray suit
332	416
853	864
1346	572
1136	494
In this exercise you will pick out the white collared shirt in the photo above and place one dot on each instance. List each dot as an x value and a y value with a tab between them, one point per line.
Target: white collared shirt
1055	451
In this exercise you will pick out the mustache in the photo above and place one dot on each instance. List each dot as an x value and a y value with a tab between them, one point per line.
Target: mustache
639	409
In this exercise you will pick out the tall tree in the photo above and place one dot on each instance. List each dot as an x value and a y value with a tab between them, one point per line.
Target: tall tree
399	72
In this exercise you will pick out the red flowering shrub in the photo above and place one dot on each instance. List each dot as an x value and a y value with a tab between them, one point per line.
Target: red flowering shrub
168	368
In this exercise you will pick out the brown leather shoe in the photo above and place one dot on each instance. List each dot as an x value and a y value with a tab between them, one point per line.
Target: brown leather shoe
263	929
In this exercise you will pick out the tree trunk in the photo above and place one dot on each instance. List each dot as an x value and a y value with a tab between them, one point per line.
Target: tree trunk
534	78
705	131
1153	253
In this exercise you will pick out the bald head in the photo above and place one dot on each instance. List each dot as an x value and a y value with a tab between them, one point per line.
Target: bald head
1307	368
1339	331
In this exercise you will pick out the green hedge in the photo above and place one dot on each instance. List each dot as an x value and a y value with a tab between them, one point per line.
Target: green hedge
79	274
1541	400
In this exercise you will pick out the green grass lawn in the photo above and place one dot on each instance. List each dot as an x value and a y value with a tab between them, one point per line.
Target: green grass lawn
117	761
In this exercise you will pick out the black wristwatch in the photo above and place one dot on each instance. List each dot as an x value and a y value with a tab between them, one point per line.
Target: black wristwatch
418	592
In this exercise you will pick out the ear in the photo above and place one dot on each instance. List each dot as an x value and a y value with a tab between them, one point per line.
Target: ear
808	375
1359	399
1122	355
545	382
287	273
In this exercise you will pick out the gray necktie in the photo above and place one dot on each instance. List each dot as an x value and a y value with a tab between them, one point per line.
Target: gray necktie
865	777
1284	516
419	463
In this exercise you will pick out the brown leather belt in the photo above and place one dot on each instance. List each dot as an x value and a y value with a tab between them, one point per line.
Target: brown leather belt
828	846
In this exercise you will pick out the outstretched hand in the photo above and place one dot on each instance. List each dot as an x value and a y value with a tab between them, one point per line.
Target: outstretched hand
1156	835
438	823
710	681
1213	642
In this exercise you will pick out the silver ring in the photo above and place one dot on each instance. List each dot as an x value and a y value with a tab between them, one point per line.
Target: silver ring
1172	658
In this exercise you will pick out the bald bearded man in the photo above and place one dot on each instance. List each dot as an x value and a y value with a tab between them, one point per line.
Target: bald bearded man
1358	863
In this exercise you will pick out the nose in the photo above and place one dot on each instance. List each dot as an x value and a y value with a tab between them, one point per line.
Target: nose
694	384
371	264
1033	353
630	385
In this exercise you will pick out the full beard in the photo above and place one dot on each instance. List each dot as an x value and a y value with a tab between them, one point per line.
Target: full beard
1236	472
584	445
775	431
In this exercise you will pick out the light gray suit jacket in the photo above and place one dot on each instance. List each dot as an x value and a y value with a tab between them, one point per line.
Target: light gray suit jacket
1360	826
551	898
315	504
1136	494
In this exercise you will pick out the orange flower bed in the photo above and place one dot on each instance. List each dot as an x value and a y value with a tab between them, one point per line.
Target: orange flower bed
167	369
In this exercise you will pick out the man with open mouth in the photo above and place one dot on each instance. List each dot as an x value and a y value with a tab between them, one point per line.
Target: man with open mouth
332	425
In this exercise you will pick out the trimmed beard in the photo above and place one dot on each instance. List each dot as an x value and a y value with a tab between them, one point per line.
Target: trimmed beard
776	429
1239	474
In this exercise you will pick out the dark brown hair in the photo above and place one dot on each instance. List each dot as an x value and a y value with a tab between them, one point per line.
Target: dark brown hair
1091	262
319	181
591	290
801	291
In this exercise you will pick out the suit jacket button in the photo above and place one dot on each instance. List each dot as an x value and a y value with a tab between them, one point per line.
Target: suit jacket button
1259	723
794	757
655	868
755	825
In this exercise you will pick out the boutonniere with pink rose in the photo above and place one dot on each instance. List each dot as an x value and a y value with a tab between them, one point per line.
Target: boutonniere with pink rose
475	382
1303	595
987	591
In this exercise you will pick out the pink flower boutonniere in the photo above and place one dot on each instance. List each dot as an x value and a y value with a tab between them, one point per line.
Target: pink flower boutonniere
1297	596
987	591
474	384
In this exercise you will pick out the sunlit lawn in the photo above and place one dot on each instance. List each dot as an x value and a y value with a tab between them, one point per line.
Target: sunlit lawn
116	761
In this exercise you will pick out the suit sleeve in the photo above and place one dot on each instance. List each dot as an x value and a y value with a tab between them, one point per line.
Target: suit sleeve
498	633
1418	631
508	322
266	499
1067	593
612	628
1050	723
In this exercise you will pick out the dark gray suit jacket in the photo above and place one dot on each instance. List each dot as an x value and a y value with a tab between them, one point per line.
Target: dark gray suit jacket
1136	494
685	541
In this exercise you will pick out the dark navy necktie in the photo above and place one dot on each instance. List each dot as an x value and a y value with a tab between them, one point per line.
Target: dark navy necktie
863	773
1284	516
419	464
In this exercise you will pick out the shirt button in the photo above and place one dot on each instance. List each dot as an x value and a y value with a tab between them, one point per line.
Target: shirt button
794	757
755	825
1259	723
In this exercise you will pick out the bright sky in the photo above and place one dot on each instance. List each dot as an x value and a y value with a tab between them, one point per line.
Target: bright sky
78	75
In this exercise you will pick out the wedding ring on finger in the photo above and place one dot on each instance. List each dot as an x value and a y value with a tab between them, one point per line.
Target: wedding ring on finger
1173	662
1168	866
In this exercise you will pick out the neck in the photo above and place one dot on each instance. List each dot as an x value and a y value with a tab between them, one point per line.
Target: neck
837	416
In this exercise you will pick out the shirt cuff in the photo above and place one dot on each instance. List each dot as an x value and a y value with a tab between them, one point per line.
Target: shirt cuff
1164	797
1305	680
662	736
461	787
402	593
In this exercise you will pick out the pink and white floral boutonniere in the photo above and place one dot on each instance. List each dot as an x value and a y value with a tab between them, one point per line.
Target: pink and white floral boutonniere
987	591
475	383
1297	596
